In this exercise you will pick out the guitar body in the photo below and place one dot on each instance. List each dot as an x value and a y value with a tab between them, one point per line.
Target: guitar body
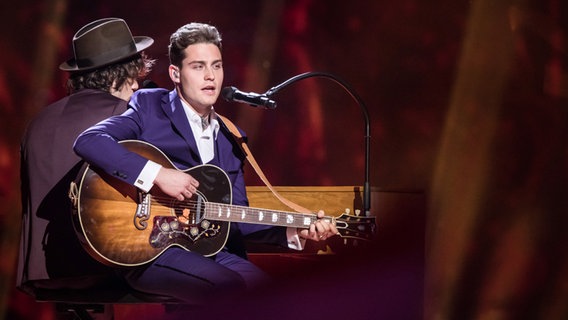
121	226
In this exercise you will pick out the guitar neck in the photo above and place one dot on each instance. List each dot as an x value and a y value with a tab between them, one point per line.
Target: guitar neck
233	213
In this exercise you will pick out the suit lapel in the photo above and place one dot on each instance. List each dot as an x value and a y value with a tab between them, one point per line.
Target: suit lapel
224	139
173	108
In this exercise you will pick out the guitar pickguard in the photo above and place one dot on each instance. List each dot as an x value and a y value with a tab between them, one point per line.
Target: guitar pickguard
168	230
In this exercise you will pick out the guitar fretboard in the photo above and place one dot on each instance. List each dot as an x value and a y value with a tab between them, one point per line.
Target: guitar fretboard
233	213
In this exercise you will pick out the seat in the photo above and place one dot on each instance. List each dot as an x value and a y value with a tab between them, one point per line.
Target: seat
89	297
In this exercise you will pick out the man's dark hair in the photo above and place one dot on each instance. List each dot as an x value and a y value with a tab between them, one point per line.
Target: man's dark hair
118	73
189	34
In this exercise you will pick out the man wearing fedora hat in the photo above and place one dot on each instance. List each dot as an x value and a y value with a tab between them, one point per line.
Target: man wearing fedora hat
103	75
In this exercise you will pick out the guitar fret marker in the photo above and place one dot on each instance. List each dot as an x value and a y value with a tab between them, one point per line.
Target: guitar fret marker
289	218
228	212
274	217
260	216
307	221
243	215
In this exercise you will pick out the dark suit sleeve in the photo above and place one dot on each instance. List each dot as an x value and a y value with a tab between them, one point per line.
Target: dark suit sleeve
272	235
99	146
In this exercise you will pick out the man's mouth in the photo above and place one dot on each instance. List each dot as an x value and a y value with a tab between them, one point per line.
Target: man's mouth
209	89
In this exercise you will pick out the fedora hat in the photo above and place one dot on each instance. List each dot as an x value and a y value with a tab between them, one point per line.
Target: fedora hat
103	42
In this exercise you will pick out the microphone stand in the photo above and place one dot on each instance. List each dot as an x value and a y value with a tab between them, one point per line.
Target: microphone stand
347	87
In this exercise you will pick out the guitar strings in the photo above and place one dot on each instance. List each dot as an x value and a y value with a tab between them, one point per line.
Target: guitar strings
167	204
189	203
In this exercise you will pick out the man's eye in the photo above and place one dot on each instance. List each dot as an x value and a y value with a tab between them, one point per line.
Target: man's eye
197	67
217	66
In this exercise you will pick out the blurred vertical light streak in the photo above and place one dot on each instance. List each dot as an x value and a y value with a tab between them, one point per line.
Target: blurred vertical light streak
460	178
50	38
269	35
260	61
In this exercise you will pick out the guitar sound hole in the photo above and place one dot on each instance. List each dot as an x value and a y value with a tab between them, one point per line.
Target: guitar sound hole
192	211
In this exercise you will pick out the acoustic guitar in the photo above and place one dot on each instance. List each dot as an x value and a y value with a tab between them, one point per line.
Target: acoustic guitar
119	225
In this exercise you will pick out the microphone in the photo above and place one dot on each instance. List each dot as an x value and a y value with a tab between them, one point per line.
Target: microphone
254	99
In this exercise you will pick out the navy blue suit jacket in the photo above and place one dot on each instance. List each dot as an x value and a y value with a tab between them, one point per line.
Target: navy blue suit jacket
157	117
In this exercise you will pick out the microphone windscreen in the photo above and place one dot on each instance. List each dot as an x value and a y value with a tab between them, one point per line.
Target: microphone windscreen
228	93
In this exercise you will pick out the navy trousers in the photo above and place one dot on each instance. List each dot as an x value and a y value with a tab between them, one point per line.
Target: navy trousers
193	278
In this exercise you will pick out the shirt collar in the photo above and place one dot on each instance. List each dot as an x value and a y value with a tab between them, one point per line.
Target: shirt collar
195	118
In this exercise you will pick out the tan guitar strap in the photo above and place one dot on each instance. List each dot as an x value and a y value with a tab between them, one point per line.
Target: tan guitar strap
252	161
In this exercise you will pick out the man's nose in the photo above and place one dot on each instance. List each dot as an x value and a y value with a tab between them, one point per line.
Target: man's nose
209	74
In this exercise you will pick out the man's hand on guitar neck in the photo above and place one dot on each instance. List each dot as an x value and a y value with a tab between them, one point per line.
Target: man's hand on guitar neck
176	184
319	230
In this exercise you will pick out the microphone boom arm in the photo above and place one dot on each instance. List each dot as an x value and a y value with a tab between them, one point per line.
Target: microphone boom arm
355	96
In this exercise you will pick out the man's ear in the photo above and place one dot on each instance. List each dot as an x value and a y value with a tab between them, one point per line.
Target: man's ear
174	73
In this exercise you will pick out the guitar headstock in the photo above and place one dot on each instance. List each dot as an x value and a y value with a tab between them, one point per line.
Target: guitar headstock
356	226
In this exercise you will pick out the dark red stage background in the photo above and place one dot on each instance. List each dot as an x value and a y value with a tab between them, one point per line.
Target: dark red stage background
467	100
